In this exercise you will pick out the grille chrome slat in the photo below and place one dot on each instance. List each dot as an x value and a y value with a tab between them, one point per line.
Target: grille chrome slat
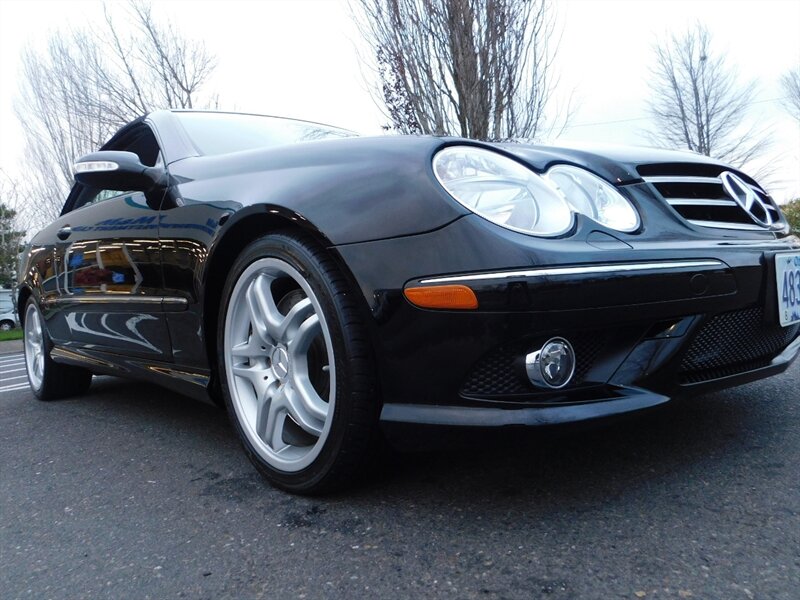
681	179
692	179
702	196
699	202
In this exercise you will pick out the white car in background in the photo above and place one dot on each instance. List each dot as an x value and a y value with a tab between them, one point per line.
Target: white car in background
8	320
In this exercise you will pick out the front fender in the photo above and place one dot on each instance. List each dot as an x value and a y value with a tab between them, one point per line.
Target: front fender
353	190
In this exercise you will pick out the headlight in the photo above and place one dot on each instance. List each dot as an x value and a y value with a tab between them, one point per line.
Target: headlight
502	190
507	193
594	197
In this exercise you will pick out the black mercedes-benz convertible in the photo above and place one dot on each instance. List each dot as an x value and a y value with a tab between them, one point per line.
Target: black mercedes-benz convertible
331	289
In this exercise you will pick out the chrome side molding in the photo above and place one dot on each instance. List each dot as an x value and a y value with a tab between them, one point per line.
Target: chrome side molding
118	298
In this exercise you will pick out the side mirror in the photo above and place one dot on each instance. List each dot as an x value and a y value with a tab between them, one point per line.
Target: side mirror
116	170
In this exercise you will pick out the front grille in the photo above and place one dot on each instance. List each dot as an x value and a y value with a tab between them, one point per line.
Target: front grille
696	193
501	372
732	343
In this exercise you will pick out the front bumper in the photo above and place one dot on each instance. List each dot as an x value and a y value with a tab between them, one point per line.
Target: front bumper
648	322
611	401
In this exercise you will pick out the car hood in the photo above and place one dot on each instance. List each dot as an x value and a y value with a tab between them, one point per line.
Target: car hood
615	163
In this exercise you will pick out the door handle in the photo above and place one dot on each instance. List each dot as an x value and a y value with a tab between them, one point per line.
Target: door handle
64	232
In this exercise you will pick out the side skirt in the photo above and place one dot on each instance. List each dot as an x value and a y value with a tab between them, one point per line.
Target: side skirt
194	384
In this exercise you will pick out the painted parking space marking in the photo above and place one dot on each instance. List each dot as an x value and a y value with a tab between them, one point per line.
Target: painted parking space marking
13	363
14	388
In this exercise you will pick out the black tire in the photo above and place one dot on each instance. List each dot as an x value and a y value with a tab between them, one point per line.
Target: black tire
349	448
58	381
6	325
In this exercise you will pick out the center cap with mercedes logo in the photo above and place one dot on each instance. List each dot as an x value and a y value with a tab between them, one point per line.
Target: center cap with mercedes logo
746	197
280	362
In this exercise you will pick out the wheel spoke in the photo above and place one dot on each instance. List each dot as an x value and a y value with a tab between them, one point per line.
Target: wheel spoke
264	313
271	417
35	330
308	396
265	405
257	376
276	431
298	346
304	411
252	348
293	320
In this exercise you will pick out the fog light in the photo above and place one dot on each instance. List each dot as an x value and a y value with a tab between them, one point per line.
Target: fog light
553	366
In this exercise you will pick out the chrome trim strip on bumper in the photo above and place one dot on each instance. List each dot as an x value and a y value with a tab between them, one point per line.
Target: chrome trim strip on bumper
728	225
584	270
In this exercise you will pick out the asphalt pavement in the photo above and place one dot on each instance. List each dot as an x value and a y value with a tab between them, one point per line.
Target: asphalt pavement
134	492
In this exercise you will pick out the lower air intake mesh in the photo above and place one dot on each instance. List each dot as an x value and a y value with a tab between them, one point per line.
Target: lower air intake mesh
734	342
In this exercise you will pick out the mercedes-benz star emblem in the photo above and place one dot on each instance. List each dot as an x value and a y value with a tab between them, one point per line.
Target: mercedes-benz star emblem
746	197
280	362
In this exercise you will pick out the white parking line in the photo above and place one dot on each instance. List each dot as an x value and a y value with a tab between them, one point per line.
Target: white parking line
14	388
17	360
12	363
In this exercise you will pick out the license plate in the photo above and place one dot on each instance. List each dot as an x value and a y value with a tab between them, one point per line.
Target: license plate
787	268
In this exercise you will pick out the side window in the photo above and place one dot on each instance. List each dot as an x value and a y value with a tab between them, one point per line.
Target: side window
89	196
104	195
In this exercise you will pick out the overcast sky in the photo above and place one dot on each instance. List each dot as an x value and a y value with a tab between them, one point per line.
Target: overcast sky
301	59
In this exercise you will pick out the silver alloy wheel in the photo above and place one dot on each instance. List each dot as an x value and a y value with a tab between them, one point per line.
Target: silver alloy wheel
34	346
266	355
6	326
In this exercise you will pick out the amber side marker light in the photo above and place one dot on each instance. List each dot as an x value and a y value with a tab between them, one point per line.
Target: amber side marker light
442	296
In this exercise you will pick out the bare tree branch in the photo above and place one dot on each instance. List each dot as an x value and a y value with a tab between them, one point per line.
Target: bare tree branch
86	83
699	104
476	68
791	87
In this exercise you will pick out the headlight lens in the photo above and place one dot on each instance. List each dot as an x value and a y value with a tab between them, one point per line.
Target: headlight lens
502	190
594	197
507	193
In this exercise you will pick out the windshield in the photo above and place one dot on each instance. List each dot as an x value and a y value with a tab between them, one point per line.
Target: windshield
220	133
